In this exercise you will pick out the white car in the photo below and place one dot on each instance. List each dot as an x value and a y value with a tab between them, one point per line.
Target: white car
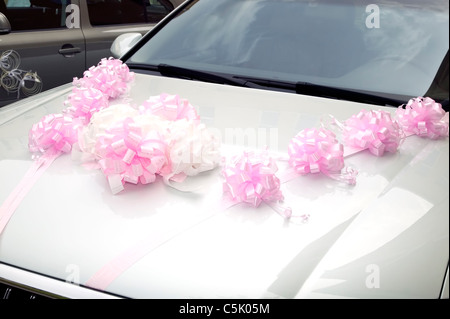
240	150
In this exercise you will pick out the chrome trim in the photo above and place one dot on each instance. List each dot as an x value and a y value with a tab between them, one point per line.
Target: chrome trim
47	287
445	286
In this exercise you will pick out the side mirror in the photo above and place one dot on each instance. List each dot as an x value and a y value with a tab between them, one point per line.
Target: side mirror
123	43
5	26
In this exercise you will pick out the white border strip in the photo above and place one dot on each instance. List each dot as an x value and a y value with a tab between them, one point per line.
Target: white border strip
49	285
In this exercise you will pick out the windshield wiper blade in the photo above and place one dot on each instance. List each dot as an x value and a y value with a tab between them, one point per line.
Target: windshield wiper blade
312	89
211	77
344	94
191	74
305	88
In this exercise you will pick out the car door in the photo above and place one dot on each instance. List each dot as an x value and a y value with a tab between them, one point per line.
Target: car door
108	19
44	48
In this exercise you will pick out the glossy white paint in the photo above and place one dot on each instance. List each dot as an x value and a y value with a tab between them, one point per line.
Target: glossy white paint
385	237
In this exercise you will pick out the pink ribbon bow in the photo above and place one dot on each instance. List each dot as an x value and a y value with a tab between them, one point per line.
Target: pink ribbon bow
318	150
128	156
110	76
423	117
54	133
83	102
170	107
373	130
250	178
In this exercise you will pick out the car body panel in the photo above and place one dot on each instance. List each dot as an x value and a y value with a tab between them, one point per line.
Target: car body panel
38	49
100	37
34	57
38	53
385	237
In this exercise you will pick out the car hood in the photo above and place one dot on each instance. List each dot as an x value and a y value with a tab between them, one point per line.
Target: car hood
385	237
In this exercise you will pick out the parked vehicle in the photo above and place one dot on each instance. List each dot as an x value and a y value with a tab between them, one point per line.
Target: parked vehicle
45	43
241	149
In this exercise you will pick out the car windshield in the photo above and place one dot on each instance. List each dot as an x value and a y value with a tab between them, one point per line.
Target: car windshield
392	48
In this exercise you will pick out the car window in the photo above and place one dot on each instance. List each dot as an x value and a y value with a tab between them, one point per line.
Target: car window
35	14
393	48
110	12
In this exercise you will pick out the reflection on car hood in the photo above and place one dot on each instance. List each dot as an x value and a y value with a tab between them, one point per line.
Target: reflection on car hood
385	237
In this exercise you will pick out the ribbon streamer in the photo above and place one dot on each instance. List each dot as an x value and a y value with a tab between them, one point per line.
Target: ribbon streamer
16	80
33	174
9	60
128	257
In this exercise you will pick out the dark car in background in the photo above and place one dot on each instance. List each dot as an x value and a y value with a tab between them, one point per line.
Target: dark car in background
45	43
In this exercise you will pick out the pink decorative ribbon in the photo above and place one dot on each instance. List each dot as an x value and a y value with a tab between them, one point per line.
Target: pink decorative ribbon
126	155
190	147
83	102
48	139
318	150
372	130
250	178
170	107
423	117
110	76
14	199
54	132
127	258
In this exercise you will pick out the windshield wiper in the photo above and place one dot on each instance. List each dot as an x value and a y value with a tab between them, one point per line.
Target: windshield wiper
312	89
211	77
344	94
191	74
305	88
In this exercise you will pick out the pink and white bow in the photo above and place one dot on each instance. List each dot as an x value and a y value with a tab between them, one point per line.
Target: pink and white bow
127	155
169	107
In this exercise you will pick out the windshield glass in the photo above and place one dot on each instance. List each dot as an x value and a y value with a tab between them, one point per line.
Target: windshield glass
392	47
